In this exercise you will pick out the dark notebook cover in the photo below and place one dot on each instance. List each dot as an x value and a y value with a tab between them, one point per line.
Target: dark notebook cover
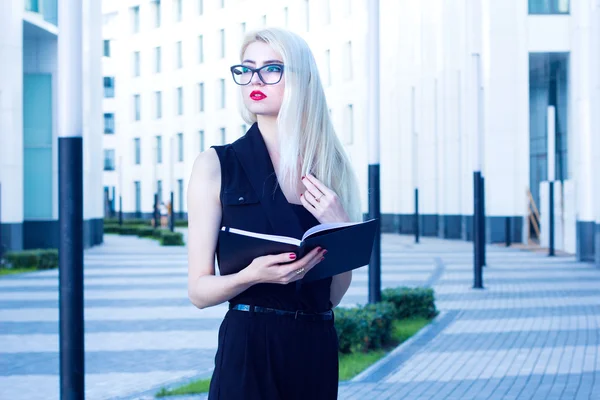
348	247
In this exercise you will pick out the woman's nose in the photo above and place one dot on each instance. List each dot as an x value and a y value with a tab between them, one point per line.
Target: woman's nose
255	80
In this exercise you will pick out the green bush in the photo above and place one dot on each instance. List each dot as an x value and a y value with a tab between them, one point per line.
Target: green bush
169	238
181	223
369	327
145	231
135	221
411	302
38	258
364	328
111	228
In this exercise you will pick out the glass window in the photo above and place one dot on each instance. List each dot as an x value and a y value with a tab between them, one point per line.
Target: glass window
263	21
548	86
179	54
138	197
201	49
180	194
200	7
327	12
159	150
548	6
178	10
136	18
222	3
201	97
136	107
179	101
223	133
201	136
222	43
243	27
109	123
348	61
327	67
222	91
136	63
137	151
285	16
159	191
107	48
156	13
158	98
109	86
180	147
157	59
109	160
307	14
349	124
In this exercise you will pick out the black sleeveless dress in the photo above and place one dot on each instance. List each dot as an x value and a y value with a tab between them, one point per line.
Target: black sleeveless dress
266	356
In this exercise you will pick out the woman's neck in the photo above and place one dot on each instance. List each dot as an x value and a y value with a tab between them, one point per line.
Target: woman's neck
270	133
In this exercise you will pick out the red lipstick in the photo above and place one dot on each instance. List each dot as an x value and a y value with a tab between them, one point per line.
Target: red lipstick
257	95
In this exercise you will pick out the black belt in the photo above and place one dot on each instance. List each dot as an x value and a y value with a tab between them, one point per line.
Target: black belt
324	316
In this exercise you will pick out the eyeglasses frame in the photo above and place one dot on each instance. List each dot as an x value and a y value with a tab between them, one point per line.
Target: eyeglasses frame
257	71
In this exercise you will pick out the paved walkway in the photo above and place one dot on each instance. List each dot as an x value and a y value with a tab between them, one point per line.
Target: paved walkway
532	333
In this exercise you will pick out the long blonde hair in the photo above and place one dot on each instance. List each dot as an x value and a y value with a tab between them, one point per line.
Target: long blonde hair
307	136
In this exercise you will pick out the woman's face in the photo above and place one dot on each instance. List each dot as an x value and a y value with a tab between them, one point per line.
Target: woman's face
260	98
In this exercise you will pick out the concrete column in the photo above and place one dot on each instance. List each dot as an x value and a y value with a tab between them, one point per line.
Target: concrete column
11	122
581	79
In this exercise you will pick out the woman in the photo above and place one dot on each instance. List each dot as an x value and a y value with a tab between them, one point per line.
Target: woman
277	340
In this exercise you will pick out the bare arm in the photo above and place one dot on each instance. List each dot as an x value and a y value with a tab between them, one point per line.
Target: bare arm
339	287
204	220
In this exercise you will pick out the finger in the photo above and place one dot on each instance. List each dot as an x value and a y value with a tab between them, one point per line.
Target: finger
308	205
319	185
312	200
301	272
311	187
304	262
283	258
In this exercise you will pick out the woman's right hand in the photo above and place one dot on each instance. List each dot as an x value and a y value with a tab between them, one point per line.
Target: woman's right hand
281	268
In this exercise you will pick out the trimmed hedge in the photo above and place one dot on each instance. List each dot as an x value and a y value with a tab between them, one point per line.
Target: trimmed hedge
180	223
411	302
38	258
369	327
164	236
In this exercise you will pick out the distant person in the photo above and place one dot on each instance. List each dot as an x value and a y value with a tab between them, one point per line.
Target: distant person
278	340
164	215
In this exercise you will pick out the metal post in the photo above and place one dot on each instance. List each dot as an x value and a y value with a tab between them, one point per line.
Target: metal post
156	212
1	244
482	234
551	120
551	218
120	210
477	267
172	219
416	222
374	194
70	200
507	231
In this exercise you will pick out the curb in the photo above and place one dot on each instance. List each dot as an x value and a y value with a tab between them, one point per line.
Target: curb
388	364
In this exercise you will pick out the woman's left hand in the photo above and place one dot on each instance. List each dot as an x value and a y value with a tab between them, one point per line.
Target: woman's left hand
322	202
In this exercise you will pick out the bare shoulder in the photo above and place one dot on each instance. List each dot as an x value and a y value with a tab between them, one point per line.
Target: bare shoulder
206	174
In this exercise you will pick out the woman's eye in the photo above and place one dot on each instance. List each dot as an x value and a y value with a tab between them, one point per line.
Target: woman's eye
273	68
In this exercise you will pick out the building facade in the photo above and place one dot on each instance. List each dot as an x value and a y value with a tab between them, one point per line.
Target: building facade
28	123
465	85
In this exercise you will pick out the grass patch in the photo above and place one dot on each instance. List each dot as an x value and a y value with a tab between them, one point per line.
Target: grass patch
354	363
195	387
350	364
10	271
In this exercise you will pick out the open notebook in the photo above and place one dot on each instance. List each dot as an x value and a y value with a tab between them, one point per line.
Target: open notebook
348	245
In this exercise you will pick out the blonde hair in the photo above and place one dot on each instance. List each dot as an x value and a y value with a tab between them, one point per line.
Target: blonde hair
307	138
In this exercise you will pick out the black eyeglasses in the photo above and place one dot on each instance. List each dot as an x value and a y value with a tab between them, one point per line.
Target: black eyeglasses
269	74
